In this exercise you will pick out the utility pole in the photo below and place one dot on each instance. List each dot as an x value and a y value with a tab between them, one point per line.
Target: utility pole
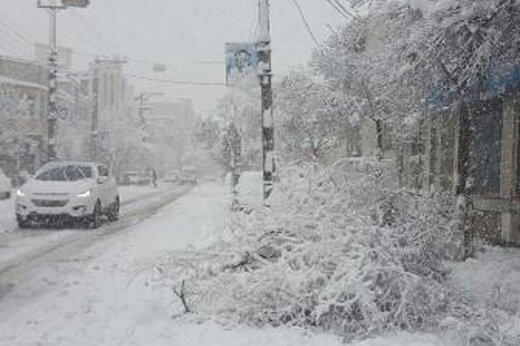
53	79
265	75
53	6
94	116
142	98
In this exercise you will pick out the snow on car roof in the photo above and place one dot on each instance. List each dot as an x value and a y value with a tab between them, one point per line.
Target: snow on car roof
66	163
71	163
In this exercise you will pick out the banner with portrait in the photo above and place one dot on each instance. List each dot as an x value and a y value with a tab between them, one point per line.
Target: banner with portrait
241	61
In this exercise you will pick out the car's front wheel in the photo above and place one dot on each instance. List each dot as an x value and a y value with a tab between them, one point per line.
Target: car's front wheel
113	214
22	224
94	221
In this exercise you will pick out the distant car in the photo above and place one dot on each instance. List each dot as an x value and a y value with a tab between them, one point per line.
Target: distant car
171	178
68	191
188	175
134	178
5	186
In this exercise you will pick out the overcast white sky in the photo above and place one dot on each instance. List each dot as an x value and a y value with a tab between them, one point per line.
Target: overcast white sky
188	35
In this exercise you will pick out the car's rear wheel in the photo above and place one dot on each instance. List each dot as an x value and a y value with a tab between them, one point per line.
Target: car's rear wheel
95	219
113	214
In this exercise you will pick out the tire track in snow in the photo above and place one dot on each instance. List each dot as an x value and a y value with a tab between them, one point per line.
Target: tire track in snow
29	266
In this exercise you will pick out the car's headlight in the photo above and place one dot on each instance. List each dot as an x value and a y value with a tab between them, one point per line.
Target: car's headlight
20	193
84	194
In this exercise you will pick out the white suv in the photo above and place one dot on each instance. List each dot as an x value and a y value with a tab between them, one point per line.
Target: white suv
68	191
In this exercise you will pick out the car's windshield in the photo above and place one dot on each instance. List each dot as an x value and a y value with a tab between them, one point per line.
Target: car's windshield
65	173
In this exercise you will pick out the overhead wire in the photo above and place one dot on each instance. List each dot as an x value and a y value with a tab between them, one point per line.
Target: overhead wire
337	9
15	32
307	26
13	42
92	30
344	9
176	82
101	42
82	36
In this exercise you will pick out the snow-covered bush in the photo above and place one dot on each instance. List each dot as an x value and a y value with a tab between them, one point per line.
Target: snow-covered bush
340	249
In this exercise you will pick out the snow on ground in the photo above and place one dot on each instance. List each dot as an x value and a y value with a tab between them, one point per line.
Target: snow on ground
490	274
7	219
14	242
492	280
130	193
104	299
101	296
250	189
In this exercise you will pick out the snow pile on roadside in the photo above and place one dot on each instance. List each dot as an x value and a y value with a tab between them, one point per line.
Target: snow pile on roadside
491	281
340	251
7	219
250	190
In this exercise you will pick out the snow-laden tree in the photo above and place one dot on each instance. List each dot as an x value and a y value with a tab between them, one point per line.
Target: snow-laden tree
362	60
342	251
240	106
310	116
127	148
398	53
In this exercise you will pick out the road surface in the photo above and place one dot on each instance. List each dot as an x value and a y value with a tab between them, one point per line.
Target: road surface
29	257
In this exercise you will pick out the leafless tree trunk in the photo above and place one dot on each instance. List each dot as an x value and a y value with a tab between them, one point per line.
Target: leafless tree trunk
181	294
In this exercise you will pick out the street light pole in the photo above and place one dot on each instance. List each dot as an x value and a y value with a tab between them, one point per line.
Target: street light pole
53	79
94	132
265	74
53	6
142	98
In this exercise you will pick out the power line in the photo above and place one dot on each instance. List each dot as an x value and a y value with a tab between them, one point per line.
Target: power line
337	9
101	38
253	32
177	82
92	43
14	34
23	35
309	30
12	42
344	9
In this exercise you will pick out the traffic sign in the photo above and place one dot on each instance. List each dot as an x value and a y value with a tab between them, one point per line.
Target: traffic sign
75	3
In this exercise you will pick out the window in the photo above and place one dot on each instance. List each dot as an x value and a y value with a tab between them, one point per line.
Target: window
485	147
65	173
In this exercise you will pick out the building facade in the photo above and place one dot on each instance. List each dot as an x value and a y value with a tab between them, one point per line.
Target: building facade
23	109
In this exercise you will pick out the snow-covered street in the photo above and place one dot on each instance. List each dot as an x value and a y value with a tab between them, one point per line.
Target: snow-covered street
34	262
85	288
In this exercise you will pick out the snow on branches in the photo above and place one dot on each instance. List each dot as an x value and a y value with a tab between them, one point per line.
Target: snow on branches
395	55
310	115
338	250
